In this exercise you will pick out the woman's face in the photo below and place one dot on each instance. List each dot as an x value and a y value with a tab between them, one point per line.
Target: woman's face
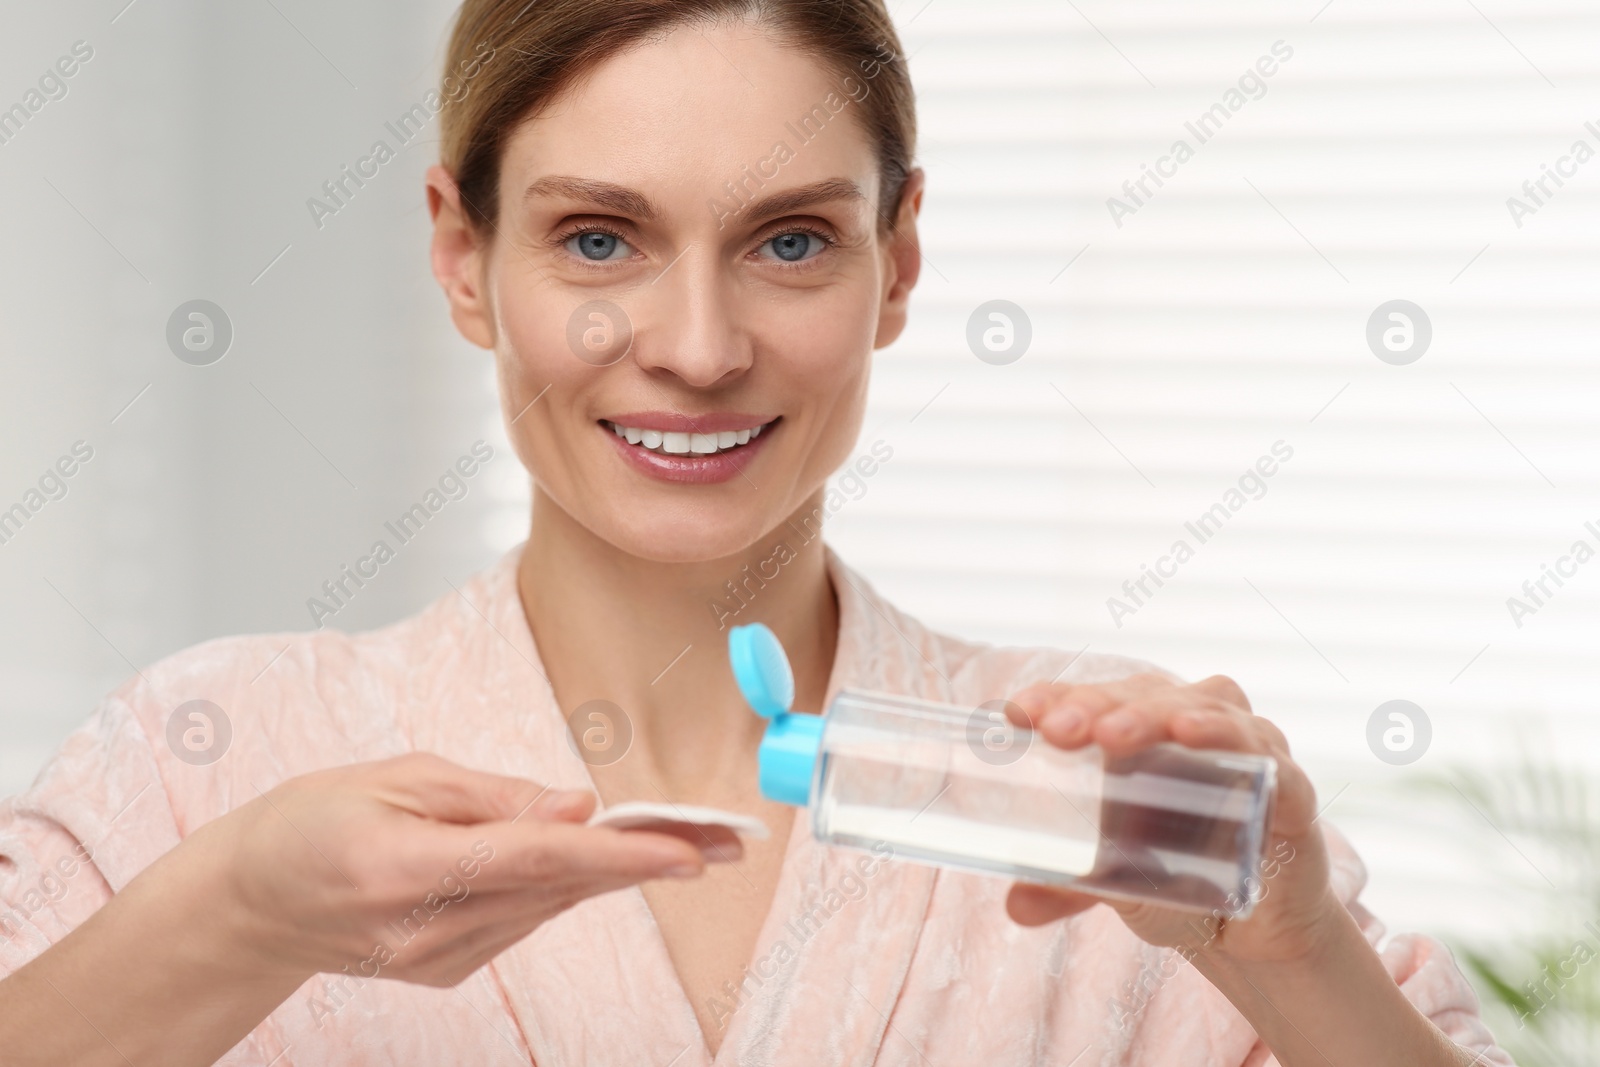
689	250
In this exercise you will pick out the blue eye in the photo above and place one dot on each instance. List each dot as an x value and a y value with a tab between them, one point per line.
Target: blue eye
598	245
795	246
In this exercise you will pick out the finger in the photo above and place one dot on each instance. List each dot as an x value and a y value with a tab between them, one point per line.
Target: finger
1294	809
1296	805
1027	706
564	805
1149	717
436	788
1142	722
496	921
1038	701
1066	714
534	853
1035	905
1225	689
1228	731
717	844
1068	721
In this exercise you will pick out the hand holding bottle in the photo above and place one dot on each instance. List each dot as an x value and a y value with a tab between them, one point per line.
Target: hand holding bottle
1132	715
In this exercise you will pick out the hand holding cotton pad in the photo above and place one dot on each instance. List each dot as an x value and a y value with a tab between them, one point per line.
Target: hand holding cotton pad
676	818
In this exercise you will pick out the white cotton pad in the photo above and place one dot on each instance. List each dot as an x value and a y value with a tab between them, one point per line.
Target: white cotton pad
641	815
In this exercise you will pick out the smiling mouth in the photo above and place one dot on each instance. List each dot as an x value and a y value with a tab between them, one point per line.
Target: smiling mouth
675	443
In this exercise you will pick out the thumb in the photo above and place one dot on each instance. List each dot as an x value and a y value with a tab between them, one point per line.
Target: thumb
562	805
435	788
1035	905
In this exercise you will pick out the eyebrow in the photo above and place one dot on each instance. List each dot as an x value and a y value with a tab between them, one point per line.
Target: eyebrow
792	200
618	198
630	202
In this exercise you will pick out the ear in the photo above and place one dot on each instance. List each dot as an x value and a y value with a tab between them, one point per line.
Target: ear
904	253
458	260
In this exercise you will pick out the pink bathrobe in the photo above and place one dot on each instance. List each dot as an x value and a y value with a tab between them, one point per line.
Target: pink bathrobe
859	962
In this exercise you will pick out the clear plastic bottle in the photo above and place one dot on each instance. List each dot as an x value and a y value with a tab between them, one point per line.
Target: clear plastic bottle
961	787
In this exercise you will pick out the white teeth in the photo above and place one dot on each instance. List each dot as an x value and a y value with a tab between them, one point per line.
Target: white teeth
686	443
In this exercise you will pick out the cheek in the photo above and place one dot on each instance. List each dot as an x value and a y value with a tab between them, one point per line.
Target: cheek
825	340
528	348
825	351
534	368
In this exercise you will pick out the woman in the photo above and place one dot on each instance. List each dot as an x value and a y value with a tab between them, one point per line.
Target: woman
682	226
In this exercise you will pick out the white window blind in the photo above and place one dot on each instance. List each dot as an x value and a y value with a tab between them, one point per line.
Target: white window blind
1229	312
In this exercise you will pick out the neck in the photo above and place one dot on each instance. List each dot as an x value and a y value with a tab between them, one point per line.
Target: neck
652	638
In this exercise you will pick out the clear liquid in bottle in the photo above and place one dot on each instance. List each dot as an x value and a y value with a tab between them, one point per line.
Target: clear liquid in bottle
1179	827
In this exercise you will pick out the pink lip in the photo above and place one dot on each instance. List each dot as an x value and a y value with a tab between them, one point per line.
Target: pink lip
688	469
672	422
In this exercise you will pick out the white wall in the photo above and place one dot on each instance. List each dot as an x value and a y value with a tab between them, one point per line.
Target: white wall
177	167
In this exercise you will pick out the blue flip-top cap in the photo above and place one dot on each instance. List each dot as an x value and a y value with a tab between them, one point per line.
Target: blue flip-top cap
788	752
761	669
788	757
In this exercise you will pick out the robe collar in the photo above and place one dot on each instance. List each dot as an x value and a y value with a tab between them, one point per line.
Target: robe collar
596	983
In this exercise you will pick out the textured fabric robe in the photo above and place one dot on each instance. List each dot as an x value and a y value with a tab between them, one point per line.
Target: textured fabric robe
860	961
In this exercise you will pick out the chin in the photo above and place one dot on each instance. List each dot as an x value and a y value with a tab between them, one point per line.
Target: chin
696	535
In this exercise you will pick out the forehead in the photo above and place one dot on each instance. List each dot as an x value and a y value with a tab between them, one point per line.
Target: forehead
692	109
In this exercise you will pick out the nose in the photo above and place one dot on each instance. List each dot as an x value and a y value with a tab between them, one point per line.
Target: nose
693	331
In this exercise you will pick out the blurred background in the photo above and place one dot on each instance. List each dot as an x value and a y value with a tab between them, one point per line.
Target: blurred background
1154	343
